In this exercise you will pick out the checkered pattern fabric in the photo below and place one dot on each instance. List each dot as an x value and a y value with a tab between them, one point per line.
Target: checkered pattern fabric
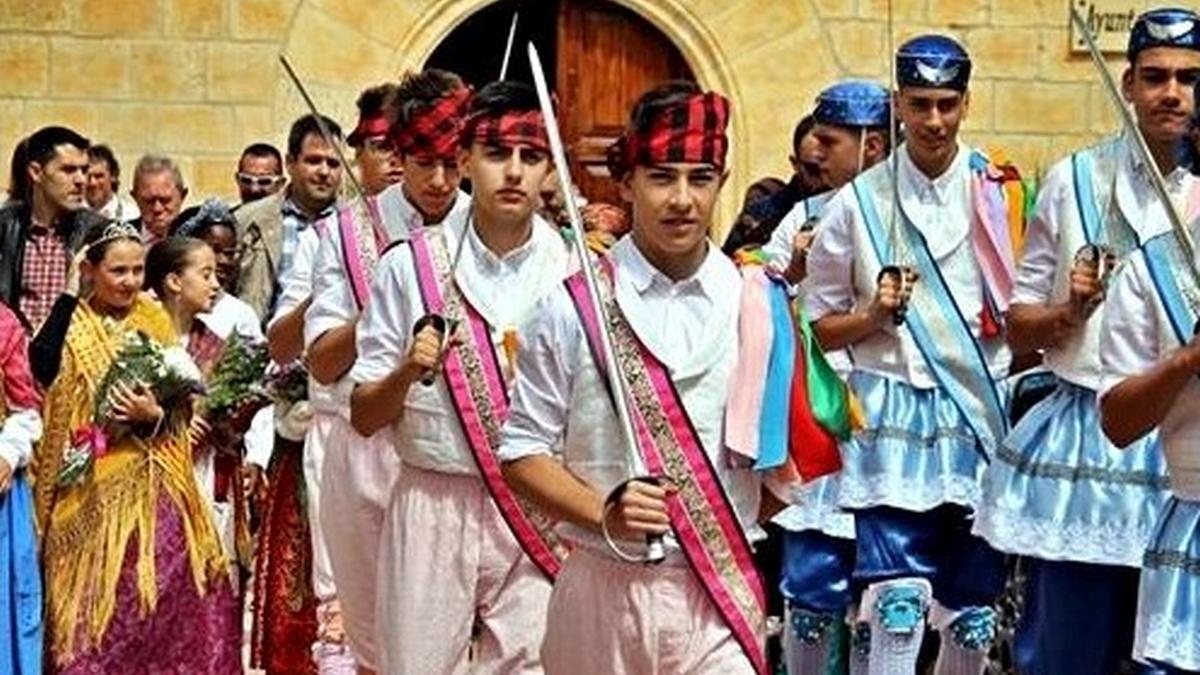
375	125
526	127
44	274
435	130
693	132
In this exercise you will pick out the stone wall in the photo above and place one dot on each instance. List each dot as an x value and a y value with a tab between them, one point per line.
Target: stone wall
198	79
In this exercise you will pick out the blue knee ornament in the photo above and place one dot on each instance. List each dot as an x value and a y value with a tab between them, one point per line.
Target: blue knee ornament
901	609
975	628
810	627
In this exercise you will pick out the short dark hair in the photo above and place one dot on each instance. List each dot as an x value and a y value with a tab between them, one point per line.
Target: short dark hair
651	103
307	126
418	91
498	98
261	149
373	102
39	147
166	257
103	153
803	128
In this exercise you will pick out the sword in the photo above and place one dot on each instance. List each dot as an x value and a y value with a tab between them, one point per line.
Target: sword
616	379
512	34
894	270
1182	235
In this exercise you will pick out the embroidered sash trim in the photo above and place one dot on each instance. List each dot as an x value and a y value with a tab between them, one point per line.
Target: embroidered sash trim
362	244
473	376
701	514
935	321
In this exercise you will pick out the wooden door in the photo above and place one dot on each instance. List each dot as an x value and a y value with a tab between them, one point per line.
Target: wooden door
607	58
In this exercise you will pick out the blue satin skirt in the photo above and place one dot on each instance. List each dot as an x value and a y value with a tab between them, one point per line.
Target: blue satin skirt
1057	489
936	545
1168	618
20	583
916	453
816	572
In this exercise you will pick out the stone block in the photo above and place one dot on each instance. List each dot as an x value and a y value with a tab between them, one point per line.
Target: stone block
1004	52
25	64
241	72
1029	12
325	50
127	17
196	128
261	19
982	106
79	115
195	19
959	12
35	15
213	177
253	123
128	128
89	67
902	10
12	129
384	20
835	8
168	71
860	47
1033	107
1060	64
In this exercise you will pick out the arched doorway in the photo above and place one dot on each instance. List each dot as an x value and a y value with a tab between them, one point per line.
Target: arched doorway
603	56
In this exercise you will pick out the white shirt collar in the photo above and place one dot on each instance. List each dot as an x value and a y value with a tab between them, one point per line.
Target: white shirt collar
932	189
643	275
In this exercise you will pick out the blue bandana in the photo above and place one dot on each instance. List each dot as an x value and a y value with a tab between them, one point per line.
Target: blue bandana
854	103
1166	27
933	61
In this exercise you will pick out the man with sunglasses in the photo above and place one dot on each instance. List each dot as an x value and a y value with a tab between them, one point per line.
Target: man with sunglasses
259	173
1080	509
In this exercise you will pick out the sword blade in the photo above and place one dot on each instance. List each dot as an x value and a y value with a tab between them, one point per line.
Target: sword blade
512	35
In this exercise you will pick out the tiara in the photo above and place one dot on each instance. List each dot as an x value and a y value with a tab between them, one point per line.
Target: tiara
118	230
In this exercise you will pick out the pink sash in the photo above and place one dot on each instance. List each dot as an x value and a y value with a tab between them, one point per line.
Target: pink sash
473	376
701	515
360	250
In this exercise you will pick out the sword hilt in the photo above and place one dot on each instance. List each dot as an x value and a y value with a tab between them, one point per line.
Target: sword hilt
444	327
899	274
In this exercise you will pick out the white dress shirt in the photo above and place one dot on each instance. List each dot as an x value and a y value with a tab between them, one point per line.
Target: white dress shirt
843	266
1055	234
561	404
1136	335
504	290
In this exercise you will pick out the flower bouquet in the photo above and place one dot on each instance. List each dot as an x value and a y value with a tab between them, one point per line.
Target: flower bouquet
287	385
168	372
235	385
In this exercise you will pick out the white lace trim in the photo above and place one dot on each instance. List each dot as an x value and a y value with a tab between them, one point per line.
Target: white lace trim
1104	544
894	491
832	522
1159	638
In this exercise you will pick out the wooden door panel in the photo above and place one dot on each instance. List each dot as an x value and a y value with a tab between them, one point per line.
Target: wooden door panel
607	58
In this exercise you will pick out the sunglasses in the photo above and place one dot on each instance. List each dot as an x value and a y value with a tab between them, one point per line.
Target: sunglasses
251	180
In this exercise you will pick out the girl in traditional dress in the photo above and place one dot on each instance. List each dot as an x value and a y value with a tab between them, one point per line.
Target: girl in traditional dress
20	579
135	577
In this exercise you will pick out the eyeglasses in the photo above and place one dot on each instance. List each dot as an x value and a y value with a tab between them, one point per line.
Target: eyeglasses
255	181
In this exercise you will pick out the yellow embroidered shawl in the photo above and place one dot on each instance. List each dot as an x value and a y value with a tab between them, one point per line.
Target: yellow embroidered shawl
86	528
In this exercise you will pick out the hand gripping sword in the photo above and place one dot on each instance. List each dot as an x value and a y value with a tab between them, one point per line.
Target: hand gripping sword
636	468
1178	228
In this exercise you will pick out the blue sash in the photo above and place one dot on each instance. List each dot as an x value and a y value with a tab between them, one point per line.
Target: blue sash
777	391
1094	173
1174	285
937	325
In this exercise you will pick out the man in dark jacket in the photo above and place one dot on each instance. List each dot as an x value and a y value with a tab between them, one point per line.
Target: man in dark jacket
43	222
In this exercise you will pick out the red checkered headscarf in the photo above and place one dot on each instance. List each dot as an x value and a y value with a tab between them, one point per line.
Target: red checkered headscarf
368	126
509	129
436	129
691	131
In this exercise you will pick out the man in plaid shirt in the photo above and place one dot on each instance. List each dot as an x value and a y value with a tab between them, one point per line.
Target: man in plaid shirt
43	222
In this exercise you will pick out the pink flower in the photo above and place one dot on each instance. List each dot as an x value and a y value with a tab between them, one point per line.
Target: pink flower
91	436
